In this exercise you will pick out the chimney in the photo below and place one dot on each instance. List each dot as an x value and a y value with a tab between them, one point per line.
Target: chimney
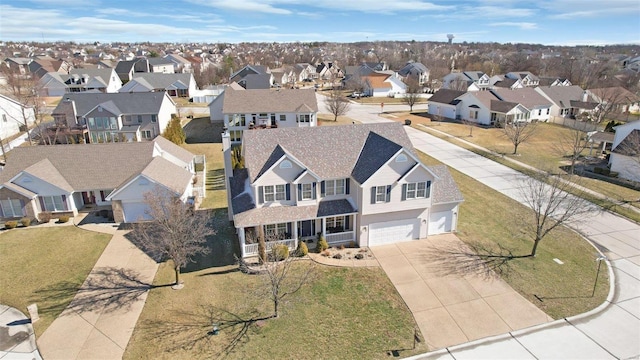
585	97
228	170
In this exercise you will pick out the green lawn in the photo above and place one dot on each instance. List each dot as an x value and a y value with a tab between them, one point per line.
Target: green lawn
46	266
490	219
344	313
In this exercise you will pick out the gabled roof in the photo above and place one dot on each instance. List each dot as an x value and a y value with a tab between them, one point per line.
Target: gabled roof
406	70
583	104
96	166
376	151
630	145
377	80
163	81
446	96
447	191
502	106
269	101
330	152
473	75
127	103
528	97
562	95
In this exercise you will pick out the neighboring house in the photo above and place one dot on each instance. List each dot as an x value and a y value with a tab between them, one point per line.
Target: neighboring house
161	65
355	183
526	78
328	71
13	115
80	80
40	66
282	76
537	105
383	85
466	81
178	85
625	151
180	64
242	110
619	99
252	77
502	82
445	103
416	71
303	71
66	178
554	81
119	117
126	68
486	108
567	101
18	65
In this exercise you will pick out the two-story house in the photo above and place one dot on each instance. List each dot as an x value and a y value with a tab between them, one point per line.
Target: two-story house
178	85
119	117
14	117
79	80
242	110
415	70
356	183
526	78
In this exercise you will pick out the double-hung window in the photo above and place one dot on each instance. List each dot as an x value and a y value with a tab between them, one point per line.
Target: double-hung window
307	191
53	203
416	190
11	208
380	194
276	229
270	193
334	187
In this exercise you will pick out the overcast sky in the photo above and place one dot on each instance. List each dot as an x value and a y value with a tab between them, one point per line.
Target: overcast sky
551	22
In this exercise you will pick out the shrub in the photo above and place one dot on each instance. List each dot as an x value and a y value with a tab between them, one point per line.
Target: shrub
25	222
302	249
613	173
280	252
352	244
326	253
45	217
337	256
63	219
322	244
12	224
359	256
341	247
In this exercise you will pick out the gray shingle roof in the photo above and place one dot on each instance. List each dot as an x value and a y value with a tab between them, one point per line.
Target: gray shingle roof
280	214
502	106
528	97
163	81
330	152
96	166
562	95
133	103
376	151
268	101
445	190
446	96
630	145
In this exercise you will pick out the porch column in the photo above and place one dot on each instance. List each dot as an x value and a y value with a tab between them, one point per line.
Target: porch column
294	232
324	227
353	226
241	240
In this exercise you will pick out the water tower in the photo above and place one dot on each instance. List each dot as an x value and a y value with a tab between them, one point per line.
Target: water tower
450	37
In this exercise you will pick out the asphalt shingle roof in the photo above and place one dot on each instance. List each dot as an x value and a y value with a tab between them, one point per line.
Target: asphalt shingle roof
128	103
445	190
163	81
562	95
528	97
280	214
330	152
446	96
268	101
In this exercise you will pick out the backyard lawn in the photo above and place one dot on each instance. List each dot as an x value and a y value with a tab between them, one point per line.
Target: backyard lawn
46	266
490	221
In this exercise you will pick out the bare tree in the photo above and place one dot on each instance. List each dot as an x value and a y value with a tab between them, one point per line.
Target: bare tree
610	100
551	205
175	232
519	132
26	91
412	95
337	104
574	141
470	124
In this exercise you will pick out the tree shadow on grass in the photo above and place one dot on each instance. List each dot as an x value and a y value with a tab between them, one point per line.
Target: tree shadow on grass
106	289
207	330
201	130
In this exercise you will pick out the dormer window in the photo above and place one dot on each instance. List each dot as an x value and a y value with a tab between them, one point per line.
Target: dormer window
286	164
401	158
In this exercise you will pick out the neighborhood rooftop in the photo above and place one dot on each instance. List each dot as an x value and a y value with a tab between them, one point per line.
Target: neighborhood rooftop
134	103
269	101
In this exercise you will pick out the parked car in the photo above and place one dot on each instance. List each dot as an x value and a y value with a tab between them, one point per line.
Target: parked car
356	95
307	80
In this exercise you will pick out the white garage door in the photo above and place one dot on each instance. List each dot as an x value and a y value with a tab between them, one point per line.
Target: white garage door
440	222
393	231
135	211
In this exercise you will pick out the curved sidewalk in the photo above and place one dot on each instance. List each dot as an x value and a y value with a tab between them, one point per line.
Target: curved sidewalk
611	331
17	338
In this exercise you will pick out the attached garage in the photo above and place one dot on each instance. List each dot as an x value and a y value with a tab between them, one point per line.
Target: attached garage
393	231
440	222
135	211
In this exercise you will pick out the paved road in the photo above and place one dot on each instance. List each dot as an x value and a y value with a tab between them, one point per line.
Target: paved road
611	331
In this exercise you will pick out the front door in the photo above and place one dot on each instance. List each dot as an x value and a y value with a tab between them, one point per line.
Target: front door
88	197
306	228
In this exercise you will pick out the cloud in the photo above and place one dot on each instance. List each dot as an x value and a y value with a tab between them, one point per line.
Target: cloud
245	6
572	9
521	25
199	18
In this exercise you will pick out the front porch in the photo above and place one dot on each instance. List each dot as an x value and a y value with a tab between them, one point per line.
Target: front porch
337	230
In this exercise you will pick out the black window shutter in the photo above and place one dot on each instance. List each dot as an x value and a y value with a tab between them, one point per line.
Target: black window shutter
428	192
313	194
289	229
346	222
260	195
287	189
388	193
404	192
299	192
346	186
64	202
373	195
322	190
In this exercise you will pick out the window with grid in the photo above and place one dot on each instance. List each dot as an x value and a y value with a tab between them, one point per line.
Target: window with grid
53	203
307	191
416	190
381	194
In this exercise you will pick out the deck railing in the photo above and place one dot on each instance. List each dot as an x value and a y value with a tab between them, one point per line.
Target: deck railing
252	249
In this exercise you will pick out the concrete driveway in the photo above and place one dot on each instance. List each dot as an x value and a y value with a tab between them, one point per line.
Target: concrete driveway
453	304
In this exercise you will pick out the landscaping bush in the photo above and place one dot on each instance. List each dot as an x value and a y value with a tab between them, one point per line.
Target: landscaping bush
337	256
63	219
322	244
280	252
359	256
302	249
45	217
12	224
613	173
25	221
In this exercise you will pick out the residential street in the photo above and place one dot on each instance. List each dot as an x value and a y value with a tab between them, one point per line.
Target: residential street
610	331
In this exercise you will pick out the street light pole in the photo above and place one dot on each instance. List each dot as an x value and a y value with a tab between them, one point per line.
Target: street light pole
599	260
